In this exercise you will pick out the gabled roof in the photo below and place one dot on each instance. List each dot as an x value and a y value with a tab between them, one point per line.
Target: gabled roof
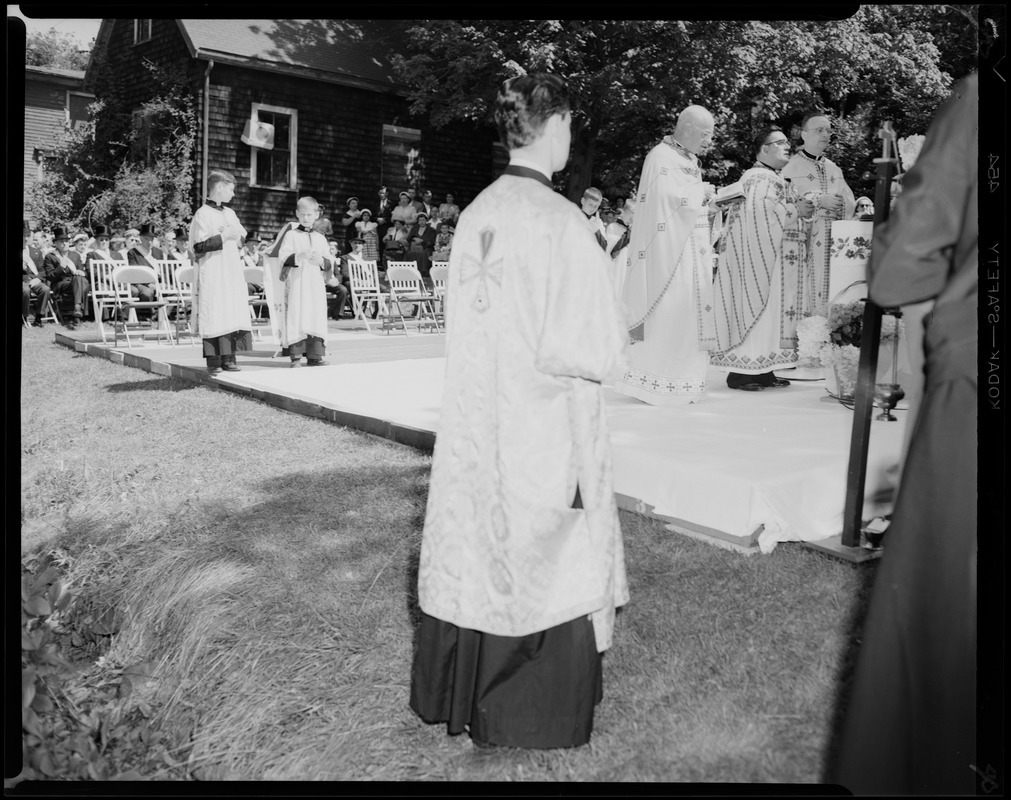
65	77
354	52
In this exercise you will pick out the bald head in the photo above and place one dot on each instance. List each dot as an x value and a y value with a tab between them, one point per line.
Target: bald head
694	129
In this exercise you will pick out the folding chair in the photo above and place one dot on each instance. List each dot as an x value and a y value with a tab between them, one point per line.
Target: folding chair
123	277
407	286
51	313
365	288
103	293
183	280
439	276
167	287
257	302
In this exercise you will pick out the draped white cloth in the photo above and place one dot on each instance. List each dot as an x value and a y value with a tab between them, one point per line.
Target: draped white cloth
531	330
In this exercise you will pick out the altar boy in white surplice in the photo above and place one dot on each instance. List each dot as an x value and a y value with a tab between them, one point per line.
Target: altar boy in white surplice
522	563
296	289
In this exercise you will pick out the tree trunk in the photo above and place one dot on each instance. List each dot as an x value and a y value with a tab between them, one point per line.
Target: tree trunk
583	148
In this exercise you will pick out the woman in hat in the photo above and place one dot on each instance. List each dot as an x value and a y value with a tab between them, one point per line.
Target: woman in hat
145	254
180	247
405	212
368	233
351	216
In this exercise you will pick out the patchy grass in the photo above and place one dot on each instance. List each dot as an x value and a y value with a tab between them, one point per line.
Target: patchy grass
260	568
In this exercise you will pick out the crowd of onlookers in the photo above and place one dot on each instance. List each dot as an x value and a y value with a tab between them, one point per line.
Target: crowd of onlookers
56	263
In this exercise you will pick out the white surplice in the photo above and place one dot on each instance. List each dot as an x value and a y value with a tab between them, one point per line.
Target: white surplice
220	297
758	288
811	178
668	286
297	304
532	327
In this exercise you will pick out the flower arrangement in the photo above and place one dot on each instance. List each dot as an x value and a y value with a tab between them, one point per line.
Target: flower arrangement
835	342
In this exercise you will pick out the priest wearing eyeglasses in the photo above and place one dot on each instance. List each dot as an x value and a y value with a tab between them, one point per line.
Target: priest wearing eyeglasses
818	179
758	291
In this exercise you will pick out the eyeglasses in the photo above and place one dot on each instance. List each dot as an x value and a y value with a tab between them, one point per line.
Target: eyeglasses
820	131
777	142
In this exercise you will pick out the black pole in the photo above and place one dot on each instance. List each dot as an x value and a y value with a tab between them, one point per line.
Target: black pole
870	339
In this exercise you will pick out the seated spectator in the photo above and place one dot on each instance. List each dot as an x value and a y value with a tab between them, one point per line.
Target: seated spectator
864	209
323	224
33	288
249	256
443	242
79	255
44	242
367	232
180	247
132	238
101	251
395	243
65	279
117	248
144	254
405	212
449	211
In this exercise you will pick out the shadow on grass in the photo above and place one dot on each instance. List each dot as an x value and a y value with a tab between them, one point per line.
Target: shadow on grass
854	625
153	384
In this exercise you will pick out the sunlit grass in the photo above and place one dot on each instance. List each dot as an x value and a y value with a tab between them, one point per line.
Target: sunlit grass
265	564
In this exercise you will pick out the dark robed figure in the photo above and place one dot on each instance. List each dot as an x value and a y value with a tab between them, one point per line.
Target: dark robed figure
911	718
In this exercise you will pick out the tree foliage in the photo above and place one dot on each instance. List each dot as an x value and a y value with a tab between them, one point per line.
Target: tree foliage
629	79
124	170
53	49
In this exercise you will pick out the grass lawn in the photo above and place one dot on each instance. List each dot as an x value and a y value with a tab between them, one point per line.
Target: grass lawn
257	571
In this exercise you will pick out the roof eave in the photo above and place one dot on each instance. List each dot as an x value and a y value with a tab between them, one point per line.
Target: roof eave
300	72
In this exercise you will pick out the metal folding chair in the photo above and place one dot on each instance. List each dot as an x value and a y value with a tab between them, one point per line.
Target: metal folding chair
439	276
257	302
125	276
407	286
103	293
365	288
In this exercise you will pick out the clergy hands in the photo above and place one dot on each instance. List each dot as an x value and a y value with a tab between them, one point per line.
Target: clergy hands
805	208
833	203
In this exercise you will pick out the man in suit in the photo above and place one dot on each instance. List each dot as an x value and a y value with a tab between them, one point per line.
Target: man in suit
33	287
180	244
65	277
143	253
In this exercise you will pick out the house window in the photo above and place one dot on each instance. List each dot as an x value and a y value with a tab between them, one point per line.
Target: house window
403	165
77	110
275	168
141	30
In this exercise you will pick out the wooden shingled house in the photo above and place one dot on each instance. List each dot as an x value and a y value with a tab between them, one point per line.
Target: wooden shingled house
341	123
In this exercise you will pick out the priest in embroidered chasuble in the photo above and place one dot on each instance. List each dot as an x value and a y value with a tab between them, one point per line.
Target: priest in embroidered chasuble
220	299
522	564
758	289
667	293
814	177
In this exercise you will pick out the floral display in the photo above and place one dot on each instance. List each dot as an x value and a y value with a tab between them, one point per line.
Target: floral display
836	341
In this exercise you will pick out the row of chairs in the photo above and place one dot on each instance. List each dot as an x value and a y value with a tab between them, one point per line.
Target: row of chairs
111	284
111	295
405	287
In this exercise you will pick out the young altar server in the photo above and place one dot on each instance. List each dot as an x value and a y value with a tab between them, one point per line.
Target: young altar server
219	289
522	563
296	289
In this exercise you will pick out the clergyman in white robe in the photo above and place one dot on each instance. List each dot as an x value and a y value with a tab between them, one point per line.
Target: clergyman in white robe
758	289
668	286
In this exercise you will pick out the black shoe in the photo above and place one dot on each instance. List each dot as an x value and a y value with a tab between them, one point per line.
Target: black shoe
769	380
231	367
213	370
748	387
317	362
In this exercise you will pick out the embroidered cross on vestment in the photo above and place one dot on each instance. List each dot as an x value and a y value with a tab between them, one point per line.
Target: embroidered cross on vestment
483	270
